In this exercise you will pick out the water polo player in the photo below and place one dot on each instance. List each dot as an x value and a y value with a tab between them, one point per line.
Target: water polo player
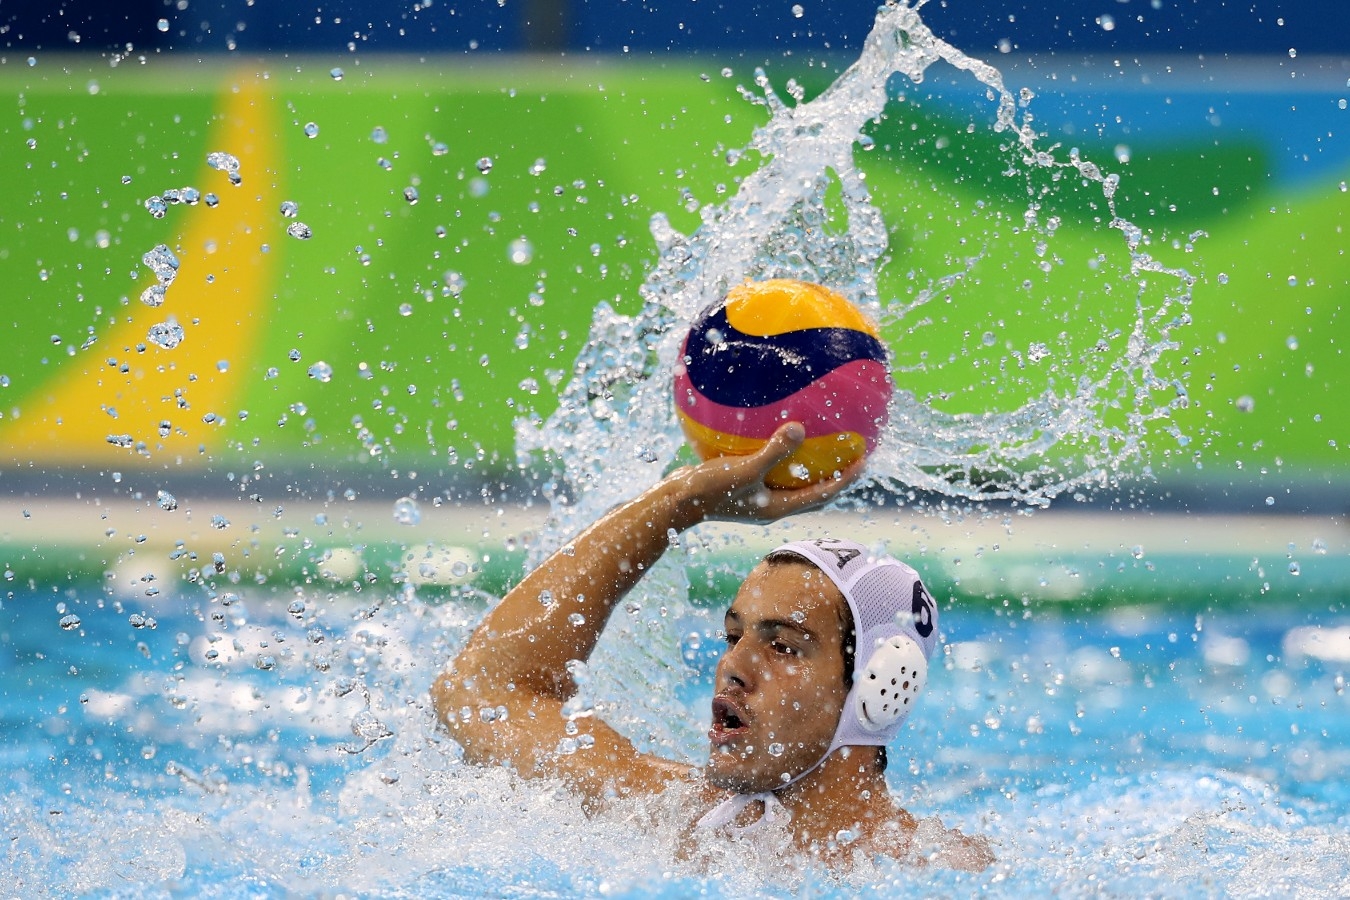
827	649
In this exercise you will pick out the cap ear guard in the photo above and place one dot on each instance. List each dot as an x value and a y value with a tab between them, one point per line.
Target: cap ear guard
885	691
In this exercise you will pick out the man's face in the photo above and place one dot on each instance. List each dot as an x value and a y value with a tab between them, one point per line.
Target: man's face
780	683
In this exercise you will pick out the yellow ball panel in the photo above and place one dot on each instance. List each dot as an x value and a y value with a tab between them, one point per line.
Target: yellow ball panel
815	460
780	305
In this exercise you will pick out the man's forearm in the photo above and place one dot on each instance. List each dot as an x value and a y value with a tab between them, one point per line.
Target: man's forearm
557	613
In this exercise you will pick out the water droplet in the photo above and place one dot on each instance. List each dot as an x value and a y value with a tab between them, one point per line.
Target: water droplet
1293	52
485	165
988	339
1291	342
454	283
384	164
1223	278
576	620
1270	501
1107	22
162	25
539	166
222	162
407	512
296	608
322	371
439	149
70	622
290	209
156	207
299	230
776	749
311	130
410	194
335	73
211	200
797	11
520	252
163	263
153	295
167	501
379	135
1246	403
1294	568
405	309
165	334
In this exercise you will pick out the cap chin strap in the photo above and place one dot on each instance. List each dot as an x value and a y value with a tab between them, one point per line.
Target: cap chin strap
724	813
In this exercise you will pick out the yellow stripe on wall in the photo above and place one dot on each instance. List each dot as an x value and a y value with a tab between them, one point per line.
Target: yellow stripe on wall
217	298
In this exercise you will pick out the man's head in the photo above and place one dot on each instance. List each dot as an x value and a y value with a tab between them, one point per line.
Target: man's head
827	647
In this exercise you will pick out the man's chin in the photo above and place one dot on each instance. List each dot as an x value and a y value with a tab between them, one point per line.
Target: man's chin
731	773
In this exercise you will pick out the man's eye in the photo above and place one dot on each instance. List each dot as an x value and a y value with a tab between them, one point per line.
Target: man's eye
787	649
731	639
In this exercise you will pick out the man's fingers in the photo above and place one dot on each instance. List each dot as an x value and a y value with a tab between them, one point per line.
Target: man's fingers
782	442
790	500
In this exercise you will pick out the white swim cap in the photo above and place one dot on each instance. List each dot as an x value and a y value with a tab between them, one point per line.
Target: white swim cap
895	633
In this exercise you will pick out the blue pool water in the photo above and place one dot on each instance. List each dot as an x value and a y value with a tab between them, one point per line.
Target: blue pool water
1139	751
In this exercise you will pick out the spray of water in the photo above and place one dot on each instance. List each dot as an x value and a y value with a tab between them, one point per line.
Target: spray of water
614	430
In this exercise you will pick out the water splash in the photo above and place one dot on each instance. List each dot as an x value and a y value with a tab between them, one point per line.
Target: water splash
782	223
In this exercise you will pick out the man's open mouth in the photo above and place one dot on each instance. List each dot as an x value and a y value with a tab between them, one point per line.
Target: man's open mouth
729	720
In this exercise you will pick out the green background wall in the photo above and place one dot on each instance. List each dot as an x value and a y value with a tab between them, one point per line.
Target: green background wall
431	379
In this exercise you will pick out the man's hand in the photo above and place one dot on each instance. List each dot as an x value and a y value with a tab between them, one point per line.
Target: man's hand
733	488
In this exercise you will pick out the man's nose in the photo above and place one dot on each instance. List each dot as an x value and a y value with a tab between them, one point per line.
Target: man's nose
738	666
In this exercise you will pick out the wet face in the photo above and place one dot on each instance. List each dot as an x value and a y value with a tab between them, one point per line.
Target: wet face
780	683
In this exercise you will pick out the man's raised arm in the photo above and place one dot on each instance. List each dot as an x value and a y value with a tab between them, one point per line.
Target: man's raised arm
503	696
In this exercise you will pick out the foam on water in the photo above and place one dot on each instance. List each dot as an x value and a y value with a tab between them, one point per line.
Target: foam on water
325	773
